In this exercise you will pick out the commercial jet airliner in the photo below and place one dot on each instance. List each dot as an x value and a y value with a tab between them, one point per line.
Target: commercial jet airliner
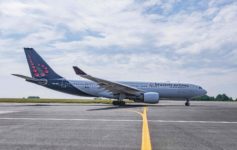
145	92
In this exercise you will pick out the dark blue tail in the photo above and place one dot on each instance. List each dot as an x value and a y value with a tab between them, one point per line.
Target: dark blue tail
38	67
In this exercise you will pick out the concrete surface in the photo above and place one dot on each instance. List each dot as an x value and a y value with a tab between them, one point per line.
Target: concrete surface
202	126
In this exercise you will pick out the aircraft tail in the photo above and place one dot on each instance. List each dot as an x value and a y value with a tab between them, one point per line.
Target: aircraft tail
38	67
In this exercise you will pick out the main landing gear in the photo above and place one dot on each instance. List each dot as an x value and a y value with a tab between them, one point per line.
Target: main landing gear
187	103
119	103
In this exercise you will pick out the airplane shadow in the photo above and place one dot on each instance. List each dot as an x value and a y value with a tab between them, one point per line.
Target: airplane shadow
106	106
51	105
117	107
112	107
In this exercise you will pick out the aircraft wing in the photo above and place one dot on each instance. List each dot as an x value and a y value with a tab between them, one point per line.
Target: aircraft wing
113	87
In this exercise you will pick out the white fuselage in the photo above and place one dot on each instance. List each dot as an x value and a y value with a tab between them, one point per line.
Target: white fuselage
165	90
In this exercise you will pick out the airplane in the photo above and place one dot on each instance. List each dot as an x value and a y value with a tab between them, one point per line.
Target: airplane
145	92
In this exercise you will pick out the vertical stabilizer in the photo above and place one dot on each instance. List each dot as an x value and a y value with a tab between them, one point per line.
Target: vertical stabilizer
38	67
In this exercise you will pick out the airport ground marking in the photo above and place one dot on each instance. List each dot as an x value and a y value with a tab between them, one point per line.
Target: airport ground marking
146	140
120	120
188	121
7	112
135	112
65	119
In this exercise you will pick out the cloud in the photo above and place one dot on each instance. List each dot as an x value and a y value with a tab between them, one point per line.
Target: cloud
157	40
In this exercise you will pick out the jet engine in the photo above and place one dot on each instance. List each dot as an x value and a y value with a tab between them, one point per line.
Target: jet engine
151	97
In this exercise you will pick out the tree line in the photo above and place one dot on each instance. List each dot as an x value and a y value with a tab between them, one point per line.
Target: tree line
219	97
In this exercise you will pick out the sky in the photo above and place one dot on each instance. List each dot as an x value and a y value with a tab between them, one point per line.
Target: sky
182	41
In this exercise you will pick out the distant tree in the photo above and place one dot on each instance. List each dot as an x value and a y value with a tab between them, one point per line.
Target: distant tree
223	97
33	97
211	98
219	97
204	98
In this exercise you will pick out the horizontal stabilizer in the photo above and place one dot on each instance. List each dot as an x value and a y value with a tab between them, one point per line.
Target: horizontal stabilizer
24	77
39	81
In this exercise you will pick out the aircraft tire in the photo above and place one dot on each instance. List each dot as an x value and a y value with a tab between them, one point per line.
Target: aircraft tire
115	102
120	103
187	103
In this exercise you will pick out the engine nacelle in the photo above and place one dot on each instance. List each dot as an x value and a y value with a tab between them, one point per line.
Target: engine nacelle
151	97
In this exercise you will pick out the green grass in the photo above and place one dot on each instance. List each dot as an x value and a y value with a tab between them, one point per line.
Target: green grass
85	101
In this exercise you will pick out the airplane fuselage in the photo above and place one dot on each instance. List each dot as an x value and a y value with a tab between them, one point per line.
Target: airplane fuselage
92	89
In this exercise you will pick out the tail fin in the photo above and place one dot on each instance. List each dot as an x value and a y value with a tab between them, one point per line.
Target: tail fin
38	67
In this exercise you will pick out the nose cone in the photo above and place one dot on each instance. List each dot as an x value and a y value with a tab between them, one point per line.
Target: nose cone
204	92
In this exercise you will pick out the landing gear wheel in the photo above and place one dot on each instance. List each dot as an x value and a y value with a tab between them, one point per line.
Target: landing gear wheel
187	103
120	103
115	103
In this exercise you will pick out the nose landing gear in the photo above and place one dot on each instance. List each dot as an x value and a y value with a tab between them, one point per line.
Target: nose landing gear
187	103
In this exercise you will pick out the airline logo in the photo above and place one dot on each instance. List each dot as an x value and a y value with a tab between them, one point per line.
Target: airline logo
39	70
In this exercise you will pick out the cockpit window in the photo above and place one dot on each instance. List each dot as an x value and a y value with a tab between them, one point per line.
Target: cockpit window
200	87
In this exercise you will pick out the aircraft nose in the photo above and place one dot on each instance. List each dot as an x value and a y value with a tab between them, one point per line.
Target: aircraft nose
204	92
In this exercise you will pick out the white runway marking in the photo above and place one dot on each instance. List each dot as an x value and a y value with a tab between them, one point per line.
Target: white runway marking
7	112
114	120
65	119
183	121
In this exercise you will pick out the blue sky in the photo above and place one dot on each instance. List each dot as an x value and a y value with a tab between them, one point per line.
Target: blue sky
162	40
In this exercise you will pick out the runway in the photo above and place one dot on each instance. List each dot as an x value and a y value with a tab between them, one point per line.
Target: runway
170	126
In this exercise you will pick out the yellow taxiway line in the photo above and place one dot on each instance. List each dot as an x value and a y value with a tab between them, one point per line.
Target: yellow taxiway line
146	140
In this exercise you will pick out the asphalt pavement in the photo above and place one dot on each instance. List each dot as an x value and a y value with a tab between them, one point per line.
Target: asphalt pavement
172	126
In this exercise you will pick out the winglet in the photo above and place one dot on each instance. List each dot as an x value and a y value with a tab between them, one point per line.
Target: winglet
78	71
